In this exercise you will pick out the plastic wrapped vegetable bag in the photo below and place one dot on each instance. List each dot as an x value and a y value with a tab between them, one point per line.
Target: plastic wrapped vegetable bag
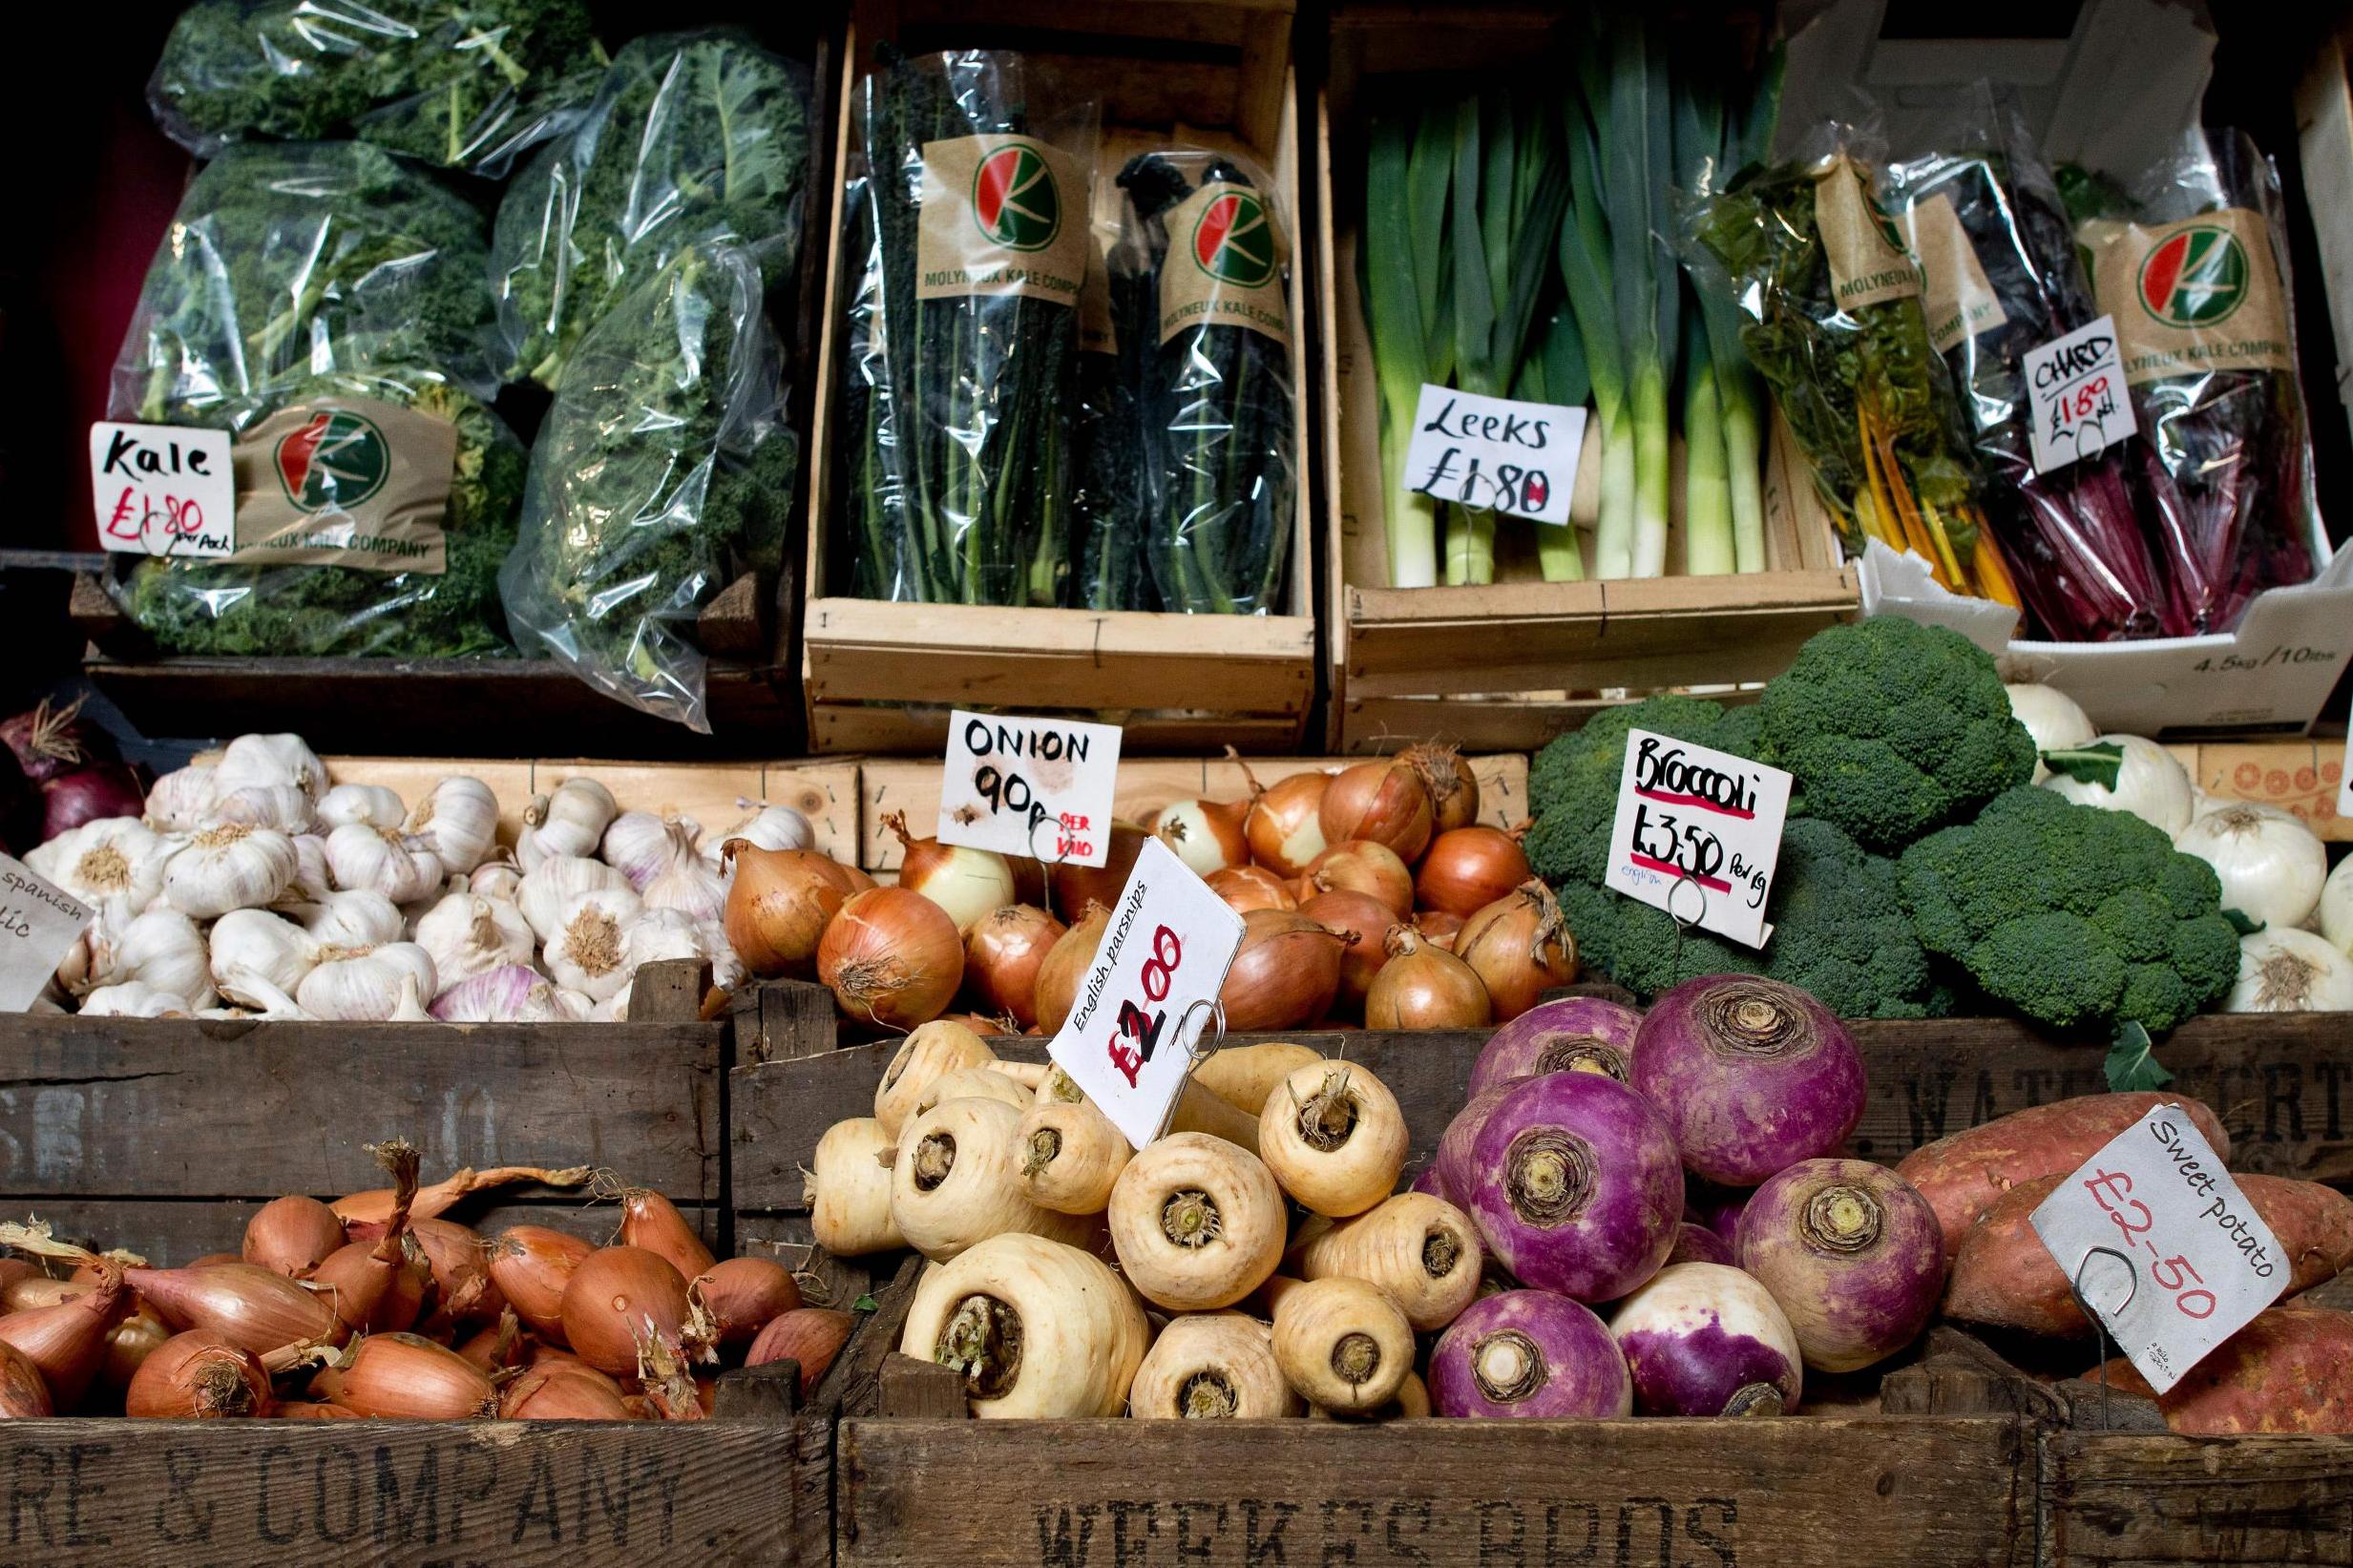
1107	508
462	83
693	136
661	474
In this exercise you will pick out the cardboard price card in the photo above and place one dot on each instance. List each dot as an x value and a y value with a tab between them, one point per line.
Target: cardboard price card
1040	788
1128	1041
37	924
2162	1246
2082	406
163	490
1697	834
1494	453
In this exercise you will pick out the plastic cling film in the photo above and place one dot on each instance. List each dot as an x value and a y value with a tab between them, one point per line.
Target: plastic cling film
1231	266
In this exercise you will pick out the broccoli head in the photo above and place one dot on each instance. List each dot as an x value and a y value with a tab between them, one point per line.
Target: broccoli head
1573	782
1892	729
2077	917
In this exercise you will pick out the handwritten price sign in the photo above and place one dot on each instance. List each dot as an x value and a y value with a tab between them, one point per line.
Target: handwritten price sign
163	490
2080	403
1697	834
2163	1246
1128	1041
1494	453
1040	788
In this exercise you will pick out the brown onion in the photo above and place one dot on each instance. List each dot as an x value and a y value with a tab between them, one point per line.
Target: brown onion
403	1378
310	1410
463	1292
564	1392
621	1297
1002	954
531	1265
292	1235
14	1269
253	1307
67	1343
1520	948
985	1024
1422	987
1437	928
1248	888
966	882
134	1339
1385	800
40	1290
1469	868
1074	885
652	1222
214	1260
1454	788
1365	919
1285	976
1358	866
744	1295
498	1347
375	1208
1205	835
197	1375
811	1335
1284	825
372	1283
779	903
892	957
1066	967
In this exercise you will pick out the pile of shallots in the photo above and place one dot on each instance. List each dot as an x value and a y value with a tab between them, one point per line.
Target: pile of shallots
375	1306
255	885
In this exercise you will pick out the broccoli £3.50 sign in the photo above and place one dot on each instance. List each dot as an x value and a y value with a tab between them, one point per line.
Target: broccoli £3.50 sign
1697	833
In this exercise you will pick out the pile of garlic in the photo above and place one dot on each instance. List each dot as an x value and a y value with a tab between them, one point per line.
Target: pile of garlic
253	888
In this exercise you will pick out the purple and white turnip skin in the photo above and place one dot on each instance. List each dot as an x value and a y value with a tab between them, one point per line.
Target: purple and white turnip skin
1574	1035
1703	1339
1574	1184
1718	1208
1454	1161
1529	1353
1853	1253
1752	1075
1427	1180
1698	1245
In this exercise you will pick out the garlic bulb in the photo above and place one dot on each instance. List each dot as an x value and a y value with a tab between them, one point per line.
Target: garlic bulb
691	886
364	983
643	846
371	806
134	999
229	867
575	1006
2271	866
409	1010
557	880
383	860
160	949
2337	906
2151	784
658	934
469	935
114	857
271	759
179	801
513	994
727	971
313	882
250	945
354	917
769	826
281	806
2282	970
570	822
496	879
272	1003
458	822
614	1009
585	952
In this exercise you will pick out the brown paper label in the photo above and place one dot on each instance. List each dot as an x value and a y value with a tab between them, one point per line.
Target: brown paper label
2199	295
1098	333
1000	216
345	481
1225	264
1868	263
1958	298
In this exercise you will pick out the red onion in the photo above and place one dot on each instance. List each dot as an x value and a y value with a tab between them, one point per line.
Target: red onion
49	742
1574	1035
1752	1075
1853	1253
1702	1339
87	794
1532	1354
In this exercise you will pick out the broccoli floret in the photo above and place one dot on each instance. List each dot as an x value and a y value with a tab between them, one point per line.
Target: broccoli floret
1573	782
1892	729
2077	917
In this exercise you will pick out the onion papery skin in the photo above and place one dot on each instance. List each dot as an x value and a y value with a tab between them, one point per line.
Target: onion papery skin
560	1391
1073	885
1065	969
1574	1035
1754	1076
1520	948
610	1299
252	1308
966	882
459	1259
1529	1354
779	903
811	1335
891	957
1360	866
1205	835
531	1264
402	1377
652	1222
1853	1253
1284	824
1423	987
1002	954
198	1375
67	1344
1366	919
1248	888
292	1236
1385	801
1285	976
1454	788
1467	868
744	1295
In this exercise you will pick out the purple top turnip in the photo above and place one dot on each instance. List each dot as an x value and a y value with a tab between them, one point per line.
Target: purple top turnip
1428	1180
1698	1245
1702	1339
1853	1253
1574	1035
1453	1162
1574	1184
1528	1353
1752	1075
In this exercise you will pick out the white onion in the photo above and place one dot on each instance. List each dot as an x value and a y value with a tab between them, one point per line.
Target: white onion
2291	972
2270	864
2151	784
2052	717
2337	906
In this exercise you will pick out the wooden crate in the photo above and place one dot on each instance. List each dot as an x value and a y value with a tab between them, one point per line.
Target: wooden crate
2299	776
882	677
1509	665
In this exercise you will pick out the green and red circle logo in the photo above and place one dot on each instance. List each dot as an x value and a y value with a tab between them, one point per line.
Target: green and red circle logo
2195	279
1015	200
333	461
1234	241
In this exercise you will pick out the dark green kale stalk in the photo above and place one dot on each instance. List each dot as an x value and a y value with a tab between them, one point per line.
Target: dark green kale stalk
693	136
957	450
1215	403
659	476
461	83
290	610
1108	505
284	262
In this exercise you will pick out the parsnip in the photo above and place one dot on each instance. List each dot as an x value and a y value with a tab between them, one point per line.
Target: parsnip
848	1190
940	1046
1207	1366
1422	1250
1039	1330
1411	1404
1197	1223
1342	1343
1071	1155
1027	1074
1334	1136
973	1082
958	1182
1243	1076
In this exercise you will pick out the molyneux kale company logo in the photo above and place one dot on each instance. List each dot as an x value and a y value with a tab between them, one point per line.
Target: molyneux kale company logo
332	462
1015	200
2194	279
1234	242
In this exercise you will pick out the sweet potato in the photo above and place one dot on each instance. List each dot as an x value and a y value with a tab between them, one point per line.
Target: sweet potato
1960	1176
2004	1277
2285	1371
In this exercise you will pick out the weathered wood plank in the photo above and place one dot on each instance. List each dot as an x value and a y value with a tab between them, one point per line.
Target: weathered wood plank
173	1230
2125	1500
1785	1494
